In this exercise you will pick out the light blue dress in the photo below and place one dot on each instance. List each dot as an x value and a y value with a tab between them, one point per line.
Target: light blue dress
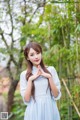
45	107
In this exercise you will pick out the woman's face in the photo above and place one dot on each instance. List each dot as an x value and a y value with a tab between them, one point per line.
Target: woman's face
34	57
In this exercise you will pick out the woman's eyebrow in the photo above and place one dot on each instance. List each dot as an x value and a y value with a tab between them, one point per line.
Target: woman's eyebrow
32	53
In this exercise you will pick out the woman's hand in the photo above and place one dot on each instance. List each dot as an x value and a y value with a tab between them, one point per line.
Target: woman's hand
33	77
39	72
47	75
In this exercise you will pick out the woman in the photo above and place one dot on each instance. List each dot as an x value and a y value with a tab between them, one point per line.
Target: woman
39	86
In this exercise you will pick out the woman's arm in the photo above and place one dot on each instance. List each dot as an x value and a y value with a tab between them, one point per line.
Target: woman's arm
23	86
53	87
28	91
26	86
55	84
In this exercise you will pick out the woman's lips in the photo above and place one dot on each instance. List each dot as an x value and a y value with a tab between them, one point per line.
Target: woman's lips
36	60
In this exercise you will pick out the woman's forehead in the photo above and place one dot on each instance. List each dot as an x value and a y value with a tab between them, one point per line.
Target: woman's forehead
31	50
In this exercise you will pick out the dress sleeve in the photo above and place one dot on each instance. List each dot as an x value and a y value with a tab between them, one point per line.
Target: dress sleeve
23	86
57	83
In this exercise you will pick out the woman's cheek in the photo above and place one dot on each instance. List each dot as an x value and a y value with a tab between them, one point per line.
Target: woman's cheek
32	60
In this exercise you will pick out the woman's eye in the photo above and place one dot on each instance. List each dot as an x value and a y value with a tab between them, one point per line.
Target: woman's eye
31	55
37	52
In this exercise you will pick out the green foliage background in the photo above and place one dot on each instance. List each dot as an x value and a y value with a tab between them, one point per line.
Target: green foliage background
59	29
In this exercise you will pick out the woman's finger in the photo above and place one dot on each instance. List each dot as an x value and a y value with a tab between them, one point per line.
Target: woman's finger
38	72
39	67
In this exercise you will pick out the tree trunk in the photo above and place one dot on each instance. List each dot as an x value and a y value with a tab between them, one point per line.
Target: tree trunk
11	94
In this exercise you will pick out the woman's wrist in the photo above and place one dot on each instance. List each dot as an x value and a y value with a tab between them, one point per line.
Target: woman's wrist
30	79
49	76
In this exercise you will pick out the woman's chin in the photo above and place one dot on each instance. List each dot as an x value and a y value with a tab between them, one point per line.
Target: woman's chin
37	63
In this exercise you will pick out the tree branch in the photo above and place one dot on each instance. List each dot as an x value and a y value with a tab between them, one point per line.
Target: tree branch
33	14
1	32
11	19
9	70
25	13
38	6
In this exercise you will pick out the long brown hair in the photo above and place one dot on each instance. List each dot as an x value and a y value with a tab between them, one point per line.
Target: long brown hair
38	49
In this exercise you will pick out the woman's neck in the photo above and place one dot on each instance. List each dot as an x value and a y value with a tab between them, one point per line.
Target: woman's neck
35	66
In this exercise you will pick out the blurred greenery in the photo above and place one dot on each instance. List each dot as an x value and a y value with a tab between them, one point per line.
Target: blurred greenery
18	107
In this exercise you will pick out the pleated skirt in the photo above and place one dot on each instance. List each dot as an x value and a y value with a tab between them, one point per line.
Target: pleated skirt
43	108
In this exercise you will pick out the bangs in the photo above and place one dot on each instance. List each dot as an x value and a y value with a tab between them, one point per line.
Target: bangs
36	47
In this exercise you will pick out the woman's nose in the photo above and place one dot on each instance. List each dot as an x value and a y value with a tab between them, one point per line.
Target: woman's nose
36	56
